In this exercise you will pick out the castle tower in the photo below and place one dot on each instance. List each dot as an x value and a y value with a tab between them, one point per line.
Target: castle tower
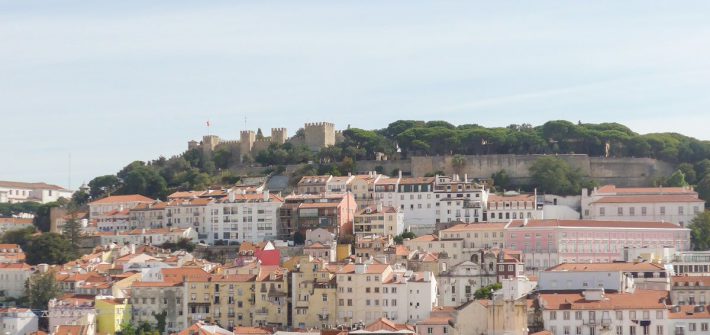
192	145
319	135
246	141
279	135
209	143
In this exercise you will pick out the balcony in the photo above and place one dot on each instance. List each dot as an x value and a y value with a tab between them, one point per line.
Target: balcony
590	322
323	316
302	303
261	313
606	322
679	331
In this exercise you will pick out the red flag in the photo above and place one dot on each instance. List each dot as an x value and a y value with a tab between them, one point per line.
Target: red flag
208	123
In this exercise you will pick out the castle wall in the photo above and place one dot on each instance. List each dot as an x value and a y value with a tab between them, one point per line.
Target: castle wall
618	171
279	135
259	146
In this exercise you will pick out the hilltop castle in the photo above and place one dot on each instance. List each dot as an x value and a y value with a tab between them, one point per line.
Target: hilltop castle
313	135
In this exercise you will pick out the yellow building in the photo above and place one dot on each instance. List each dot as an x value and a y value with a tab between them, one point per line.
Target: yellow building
313	295
271	297
224	299
112	313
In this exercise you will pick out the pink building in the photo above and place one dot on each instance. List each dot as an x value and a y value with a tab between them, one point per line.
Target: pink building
547	243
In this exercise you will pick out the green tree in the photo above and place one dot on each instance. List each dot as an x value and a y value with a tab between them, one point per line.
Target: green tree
72	232
183	244
399	239
160	321
700	231
703	189
487	291
42	218
41	288
79	199
49	248
146	181
103	186
501	180
677	179
688	171
128	328
20	237
553	175
10	209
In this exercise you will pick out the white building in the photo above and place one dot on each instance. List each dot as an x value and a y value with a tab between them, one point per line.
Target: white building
13	192
8	224
147	236
503	208
459	200
18	321
13	278
367	292
595	311
241	217
116	203
678	205
72	311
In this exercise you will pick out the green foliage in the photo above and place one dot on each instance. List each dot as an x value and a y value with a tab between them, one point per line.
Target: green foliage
41	219
20	237
103	186
458	162
79	199
399	239
183	244
49	248
487	291
10	209
553	175
299	238
501	180
700	231
688	171
677	179
72	232
40	289
145	180
160	321
703	189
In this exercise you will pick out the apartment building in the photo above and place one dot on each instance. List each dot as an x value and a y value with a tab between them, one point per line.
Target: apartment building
116	203
314	298
9	224
11	253
242	217
379	220
13	277
153	298
678	205
334	212
459	200
367	292
73	310
547	243
690	290
149	216
226	299
594	311
503	208
155	236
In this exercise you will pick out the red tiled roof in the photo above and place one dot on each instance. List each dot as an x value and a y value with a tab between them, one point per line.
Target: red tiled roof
647	199
32	186
640	299
123	198
474	227
689	312
643	190
519	197
617	266
592	224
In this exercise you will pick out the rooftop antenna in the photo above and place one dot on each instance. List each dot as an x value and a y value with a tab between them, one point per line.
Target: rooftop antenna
69	174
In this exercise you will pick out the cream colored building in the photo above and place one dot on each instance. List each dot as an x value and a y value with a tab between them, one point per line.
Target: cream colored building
379	220
313	295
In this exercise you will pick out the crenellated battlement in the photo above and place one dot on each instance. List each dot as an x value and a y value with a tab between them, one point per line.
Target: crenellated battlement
273	130
320	124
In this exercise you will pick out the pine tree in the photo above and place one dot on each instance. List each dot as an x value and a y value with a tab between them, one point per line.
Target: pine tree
72	232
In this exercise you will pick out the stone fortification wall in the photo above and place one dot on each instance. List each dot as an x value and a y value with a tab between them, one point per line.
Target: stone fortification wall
618	171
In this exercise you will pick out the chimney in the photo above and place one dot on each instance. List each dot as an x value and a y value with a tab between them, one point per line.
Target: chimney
266	195
400	174
232	196
379	207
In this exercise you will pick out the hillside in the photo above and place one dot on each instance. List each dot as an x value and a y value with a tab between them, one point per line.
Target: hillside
405	139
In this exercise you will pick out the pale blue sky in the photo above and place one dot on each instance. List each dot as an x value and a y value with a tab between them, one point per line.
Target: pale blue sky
116	81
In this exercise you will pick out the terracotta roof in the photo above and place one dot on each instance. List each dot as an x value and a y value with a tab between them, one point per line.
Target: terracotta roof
373	210
387	325
416	180
640	299
616	266
123	198
436	320
543	332
71	330
32	186
643	190
202	329
15	221
251	330
155	284
15	266
425	238
593	224
474	227
316	245
690	281
179	274
647	199
9	246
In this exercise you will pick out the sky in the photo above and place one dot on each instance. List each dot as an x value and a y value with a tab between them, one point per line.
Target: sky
110	82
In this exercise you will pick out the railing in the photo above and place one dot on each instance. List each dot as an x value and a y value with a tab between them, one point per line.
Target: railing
606	322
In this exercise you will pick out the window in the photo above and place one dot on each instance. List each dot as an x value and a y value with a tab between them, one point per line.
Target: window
659	315
659	330
620	211
646	315
619	330
430	330
663	210
619	315
632	315
578	315
703	326
692	327
578	331
446	330
601	211
565	315
553	315
632	330
565	330
643	210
